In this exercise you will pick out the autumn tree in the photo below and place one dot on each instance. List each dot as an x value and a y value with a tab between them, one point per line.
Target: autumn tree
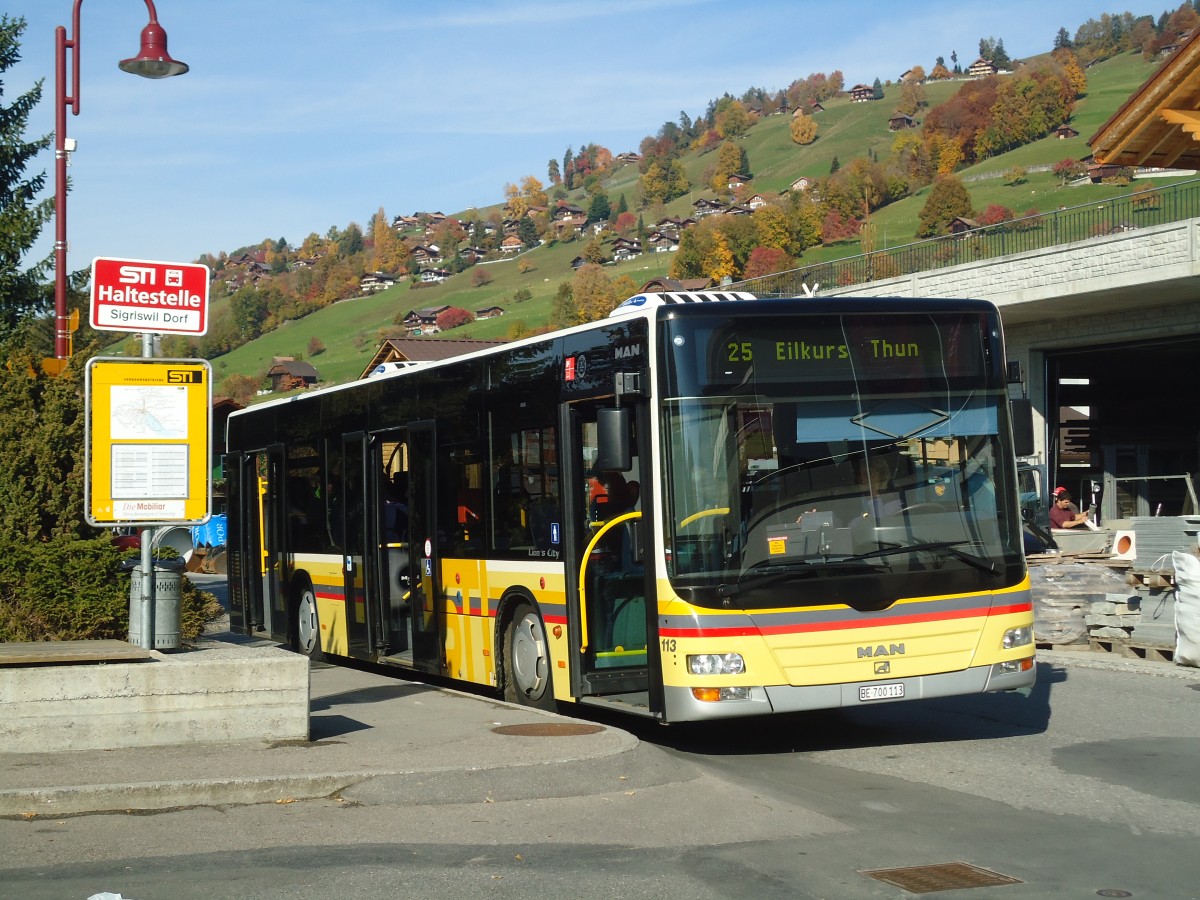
389	253
732	119
803	129
948	199
593	293
1066	170
454	317
731	160
563	311
939	72
1072	71
995	214
766	261
912	98
239	388
663	182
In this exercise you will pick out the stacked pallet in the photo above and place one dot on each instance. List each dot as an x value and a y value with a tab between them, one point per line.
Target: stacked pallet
1140	620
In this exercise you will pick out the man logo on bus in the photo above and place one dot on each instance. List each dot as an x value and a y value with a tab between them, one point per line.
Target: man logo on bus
881	650
627	352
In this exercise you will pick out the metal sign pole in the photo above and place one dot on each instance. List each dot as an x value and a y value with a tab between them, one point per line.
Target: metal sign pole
146	538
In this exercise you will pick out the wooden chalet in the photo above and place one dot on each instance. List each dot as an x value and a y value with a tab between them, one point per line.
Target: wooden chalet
861	93
287	374
416	349
674	285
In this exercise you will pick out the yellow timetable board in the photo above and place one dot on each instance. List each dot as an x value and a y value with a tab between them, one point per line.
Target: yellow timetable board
149	451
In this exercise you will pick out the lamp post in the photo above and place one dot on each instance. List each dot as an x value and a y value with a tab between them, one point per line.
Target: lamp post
152	61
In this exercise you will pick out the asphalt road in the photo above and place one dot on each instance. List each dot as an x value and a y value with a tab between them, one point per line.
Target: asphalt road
1089	786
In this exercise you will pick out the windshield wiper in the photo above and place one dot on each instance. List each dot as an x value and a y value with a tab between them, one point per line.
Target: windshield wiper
950	547
773	573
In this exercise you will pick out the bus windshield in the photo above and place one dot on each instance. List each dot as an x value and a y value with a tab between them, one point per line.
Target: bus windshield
818	459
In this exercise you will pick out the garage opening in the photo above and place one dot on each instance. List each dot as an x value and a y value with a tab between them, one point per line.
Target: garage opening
1124	426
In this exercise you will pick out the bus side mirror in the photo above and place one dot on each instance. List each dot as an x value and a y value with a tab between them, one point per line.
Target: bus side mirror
1022	426
612	440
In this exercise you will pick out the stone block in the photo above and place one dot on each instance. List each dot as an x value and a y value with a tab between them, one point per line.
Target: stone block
225	693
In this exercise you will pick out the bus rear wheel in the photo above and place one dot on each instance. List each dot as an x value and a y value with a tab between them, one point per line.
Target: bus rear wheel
308	624
527	660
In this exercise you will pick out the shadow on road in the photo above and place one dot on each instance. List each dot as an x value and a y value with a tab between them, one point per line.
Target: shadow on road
976	717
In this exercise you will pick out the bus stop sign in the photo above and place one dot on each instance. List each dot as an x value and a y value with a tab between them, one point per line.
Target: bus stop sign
145	296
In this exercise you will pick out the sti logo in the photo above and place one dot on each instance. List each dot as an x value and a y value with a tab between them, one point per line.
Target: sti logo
185	376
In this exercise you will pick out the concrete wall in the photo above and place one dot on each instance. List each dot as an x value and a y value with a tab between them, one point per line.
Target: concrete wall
1142	284
219	694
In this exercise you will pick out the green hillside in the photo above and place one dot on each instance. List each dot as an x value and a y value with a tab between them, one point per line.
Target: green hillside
351	330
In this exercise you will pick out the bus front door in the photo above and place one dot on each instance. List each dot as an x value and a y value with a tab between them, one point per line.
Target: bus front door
608	578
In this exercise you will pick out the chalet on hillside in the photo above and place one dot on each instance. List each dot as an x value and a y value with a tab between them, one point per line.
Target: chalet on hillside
981	68
756	202
961	225
417	349
736	181
489	312
861	93
899	122
625	248
287	374
705	207
1064	131
433	275
375	281
663	241
423	318
512	244
673	285
426	253
569	211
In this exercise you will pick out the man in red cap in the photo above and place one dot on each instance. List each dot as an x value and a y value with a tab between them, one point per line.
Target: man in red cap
1064	513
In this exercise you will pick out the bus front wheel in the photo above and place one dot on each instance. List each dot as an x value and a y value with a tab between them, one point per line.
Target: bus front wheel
308	625
527	660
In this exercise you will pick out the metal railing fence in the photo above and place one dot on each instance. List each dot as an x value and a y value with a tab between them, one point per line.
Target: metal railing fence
1140	209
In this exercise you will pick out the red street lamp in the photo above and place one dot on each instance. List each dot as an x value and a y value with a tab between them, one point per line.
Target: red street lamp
152	61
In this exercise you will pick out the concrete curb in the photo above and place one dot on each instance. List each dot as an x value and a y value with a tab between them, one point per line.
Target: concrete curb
1088	659
151	796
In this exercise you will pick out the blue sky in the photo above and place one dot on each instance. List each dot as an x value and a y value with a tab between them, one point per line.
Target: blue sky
303	114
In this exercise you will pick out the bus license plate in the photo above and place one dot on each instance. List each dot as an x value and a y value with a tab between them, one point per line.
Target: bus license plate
880	692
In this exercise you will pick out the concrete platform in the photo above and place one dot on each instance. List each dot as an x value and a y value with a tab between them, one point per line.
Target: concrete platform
77	699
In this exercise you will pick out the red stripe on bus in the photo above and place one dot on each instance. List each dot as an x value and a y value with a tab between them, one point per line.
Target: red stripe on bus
911	619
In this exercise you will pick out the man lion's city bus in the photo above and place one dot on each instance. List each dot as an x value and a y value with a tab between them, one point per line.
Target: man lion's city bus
705	506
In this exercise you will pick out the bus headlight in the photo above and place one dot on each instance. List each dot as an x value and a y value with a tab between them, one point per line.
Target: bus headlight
716	664
713	694
1017	637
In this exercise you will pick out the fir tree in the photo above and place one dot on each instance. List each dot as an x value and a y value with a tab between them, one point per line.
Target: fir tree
21	216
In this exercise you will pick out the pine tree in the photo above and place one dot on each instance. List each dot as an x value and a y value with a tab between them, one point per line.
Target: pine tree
877	89
21	216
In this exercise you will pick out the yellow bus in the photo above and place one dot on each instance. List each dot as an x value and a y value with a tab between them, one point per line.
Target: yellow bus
707	505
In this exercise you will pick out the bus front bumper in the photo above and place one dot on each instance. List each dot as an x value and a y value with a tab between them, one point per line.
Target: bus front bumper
683	706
